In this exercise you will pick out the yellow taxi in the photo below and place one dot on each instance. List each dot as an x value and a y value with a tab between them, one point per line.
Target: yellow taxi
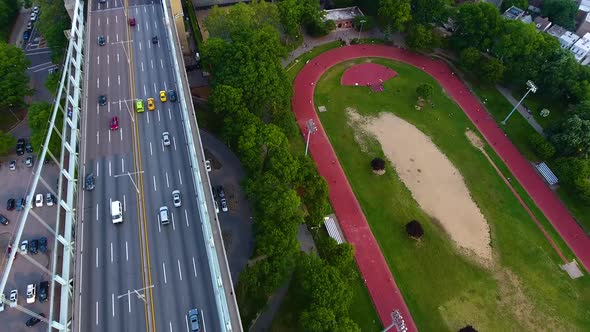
151	104
163	96
139	105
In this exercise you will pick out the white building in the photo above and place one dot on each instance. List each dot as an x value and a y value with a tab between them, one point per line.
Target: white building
581	49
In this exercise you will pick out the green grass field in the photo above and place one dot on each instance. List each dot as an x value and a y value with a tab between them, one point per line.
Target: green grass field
525	290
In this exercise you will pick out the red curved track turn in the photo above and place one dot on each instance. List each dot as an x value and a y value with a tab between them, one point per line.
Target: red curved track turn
382	288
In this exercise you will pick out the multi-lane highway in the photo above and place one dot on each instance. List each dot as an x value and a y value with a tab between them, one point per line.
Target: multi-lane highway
137	275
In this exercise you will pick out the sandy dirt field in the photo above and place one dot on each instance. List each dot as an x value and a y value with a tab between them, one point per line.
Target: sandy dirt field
434	181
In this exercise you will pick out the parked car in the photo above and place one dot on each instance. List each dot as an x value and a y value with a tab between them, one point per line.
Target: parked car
208	165
221	192
29	147
24	247
3	220
33	17
29	161
223	205
39	200
20	204
43	291
13	298
49	199
31	293
12	165
2	299
43	244
34	247
10	204
20	147
34	320
26	35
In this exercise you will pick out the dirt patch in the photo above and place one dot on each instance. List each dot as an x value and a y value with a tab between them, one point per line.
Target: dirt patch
435	183
474	139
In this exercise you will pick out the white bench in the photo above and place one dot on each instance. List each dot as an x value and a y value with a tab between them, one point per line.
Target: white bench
333	230
547	174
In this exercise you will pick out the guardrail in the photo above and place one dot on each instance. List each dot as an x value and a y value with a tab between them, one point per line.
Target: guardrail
201	183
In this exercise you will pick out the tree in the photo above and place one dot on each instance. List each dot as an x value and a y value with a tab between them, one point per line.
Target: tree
340	256
397	12
290	12
429	11
367	23
231	23
226	99
378	165
572	136
574	173
561	12
14	82
522	4
7	143
425	90
541	146
421	37
467	328
52	82
414	229
478	25
491	70
470	58
8	12
39	115
53	20
312	17
314	192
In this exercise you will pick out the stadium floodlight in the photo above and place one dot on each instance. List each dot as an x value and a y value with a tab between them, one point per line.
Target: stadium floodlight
531	88
311	128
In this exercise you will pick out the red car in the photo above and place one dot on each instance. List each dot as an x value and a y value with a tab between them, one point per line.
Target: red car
132	21
114	123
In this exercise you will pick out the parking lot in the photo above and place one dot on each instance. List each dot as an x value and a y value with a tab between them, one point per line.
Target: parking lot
28	268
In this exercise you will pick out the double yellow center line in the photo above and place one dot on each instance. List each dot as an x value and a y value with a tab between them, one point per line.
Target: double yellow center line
150	318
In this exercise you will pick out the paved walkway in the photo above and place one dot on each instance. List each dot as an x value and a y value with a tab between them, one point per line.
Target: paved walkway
382	288
521	109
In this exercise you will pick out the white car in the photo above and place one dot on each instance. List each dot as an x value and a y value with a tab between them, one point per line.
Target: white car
36	9
208	165
33	17
176	198
166	138
2	302
13	298
39	200
31	293
24	247
223	205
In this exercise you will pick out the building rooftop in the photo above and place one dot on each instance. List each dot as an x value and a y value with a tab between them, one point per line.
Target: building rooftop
513	13
584	6
581	47
569	37
556	31
339	14
542	23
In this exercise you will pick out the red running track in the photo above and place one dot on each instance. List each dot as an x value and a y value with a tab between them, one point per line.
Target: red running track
372	265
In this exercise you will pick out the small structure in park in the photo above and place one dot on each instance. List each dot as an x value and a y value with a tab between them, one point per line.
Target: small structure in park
343	17
378	166
414	229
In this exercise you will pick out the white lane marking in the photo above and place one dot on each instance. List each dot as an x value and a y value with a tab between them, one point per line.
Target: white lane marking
186	321
140	46
109	136
158	115
194	267
179	271
116	19
174	141
169	113
167	182
124	203
97	109
151	152
144	89
109	105
204	327
121	133
108	81
142	66
161	63
148	117
97	257
186	217
155	90
113	303
119	79
129	300
97	138
111	252
110	168
152	63
173	224
144	9
159	229
117	57
96	313
98	21
117	37
96	211
107	20
149	45
180	177
97	168
98	60
108	59
170	325
126	251
165	88
98	82
155	187
122	165
164	269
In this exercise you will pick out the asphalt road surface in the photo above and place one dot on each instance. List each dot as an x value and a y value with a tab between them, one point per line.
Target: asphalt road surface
115	268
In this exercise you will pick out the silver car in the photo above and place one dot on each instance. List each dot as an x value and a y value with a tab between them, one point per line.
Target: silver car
193	318
176	198
166	138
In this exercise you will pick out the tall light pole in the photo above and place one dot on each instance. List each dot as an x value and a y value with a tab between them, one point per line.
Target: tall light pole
533	88
311	128
361	21
397	321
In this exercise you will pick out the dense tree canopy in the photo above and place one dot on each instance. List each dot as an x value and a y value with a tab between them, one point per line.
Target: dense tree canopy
396	12
572	136
478	25
421	37
39	115
7	143
53	20
8	12
561	12
522	4
430	11
14	81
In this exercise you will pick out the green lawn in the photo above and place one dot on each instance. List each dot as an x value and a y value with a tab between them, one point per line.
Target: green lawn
525	290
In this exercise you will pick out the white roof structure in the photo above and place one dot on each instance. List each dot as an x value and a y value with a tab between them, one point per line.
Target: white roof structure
584	6
568	39
340	14
581	47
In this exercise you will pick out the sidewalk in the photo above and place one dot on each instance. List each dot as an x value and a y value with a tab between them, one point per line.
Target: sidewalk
521	109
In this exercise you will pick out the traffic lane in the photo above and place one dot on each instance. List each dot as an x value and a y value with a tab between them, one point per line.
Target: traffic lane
38	72
97	6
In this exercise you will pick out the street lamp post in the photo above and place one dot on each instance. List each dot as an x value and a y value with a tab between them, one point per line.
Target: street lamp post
361	30
397	321
311	128
532	88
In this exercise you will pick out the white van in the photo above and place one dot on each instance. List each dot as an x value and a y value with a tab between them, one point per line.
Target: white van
164	215
117	212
